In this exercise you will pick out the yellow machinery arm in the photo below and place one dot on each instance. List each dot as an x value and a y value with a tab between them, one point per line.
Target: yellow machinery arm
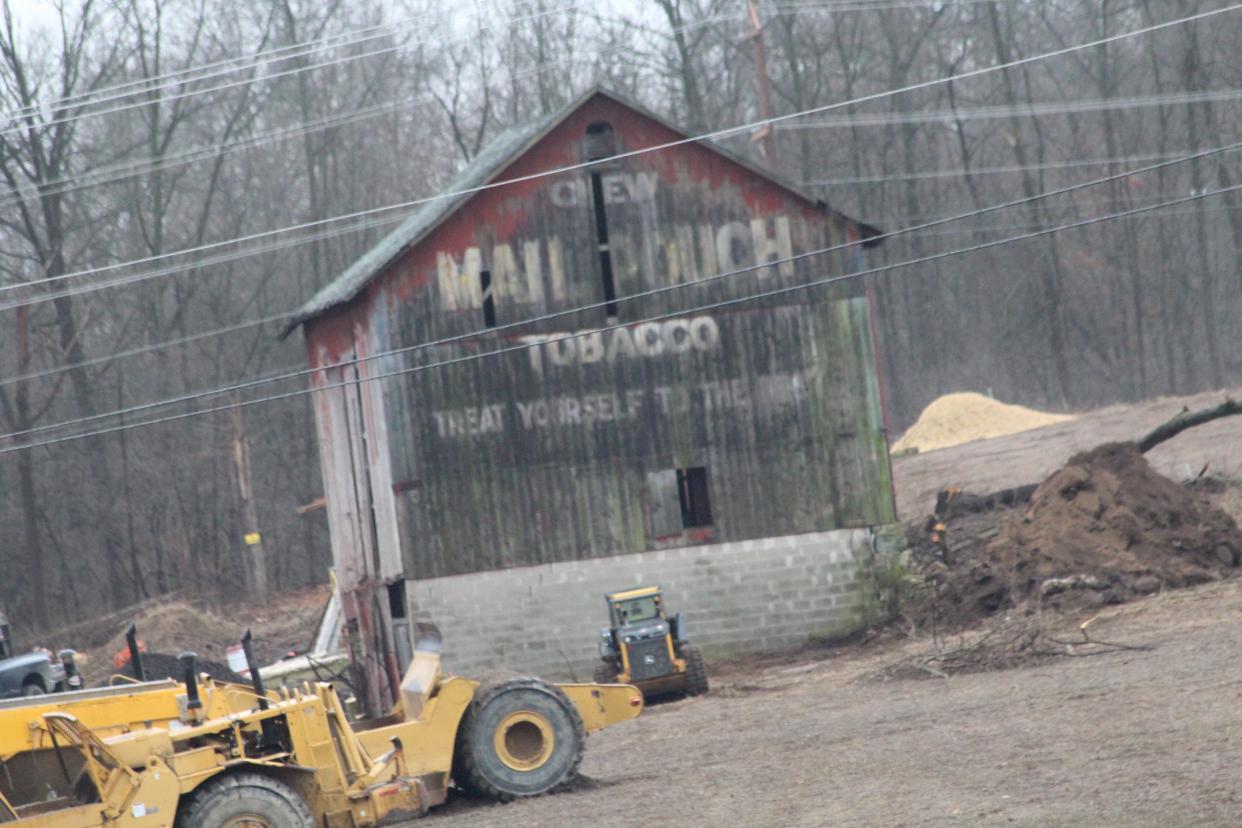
160	750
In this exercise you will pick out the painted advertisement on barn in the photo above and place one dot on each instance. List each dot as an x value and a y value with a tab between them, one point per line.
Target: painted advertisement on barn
764	412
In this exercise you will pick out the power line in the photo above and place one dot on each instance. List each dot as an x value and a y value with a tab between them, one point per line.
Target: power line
193	396
150	164
157	346
993	228
1032	110
962	172
831	5
709	136
213	259
182	76
108	358
696	309
145	349
234	84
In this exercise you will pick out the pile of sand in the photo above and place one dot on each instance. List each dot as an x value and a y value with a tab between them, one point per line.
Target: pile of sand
960	418
1102	529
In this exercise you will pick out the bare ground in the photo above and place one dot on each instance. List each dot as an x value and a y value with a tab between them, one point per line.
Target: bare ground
1029	457
1131	738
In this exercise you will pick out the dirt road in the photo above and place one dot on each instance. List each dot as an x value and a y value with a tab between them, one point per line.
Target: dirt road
1149	738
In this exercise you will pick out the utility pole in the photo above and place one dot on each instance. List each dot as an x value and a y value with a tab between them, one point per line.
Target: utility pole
253	557
765	134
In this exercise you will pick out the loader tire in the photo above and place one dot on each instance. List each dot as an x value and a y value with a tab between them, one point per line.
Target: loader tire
245	800
521	737
696	671
605	674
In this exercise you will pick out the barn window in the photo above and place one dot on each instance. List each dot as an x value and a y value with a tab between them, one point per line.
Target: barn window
696	506
489	302
396	599
679	501
600	141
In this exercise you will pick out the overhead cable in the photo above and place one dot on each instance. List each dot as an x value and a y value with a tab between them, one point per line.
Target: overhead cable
708	136
524	346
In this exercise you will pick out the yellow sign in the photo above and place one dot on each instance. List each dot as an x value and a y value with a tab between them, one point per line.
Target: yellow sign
252	538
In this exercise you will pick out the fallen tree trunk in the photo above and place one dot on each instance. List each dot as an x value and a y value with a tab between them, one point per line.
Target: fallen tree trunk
1187	419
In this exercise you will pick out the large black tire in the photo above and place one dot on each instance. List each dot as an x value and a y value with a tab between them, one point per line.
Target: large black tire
696	671
32	687
245	799
522	737
605	674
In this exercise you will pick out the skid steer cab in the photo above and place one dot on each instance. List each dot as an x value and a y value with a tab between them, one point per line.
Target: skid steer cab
644	648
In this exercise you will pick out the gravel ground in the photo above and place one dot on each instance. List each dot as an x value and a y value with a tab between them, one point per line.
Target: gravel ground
1131	738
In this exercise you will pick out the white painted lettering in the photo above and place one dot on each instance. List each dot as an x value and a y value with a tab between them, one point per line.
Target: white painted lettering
459	283
620	345
614	187
779	245
687	269
633	403
506	277
707	251
734	246
565	192
561	350
643	186
556	270
704	333
524	411
676	336
590	347
647	339
534	272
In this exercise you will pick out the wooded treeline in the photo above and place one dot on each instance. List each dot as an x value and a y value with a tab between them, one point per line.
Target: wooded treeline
111	152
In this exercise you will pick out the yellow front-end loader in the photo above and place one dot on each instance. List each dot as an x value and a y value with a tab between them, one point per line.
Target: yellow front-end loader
231	756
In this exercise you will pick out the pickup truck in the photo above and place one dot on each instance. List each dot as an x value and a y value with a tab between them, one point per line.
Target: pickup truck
28	674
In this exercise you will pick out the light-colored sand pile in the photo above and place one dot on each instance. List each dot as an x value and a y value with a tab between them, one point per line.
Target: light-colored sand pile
960	418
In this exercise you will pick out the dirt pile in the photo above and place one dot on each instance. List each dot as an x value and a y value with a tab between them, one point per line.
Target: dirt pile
960	418
1102	529
283	623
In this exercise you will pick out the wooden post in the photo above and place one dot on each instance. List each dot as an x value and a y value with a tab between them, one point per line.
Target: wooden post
253	557
766	133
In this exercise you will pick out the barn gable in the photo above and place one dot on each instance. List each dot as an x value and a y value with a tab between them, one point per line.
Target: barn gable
486	168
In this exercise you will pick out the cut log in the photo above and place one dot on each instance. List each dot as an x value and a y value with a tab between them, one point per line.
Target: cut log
1187	419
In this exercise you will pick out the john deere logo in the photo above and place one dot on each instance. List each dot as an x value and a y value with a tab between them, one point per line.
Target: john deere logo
648	659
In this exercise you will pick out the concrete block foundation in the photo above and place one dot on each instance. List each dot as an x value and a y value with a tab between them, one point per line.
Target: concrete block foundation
738	598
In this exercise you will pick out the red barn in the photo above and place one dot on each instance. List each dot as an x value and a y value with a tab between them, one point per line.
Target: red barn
603	401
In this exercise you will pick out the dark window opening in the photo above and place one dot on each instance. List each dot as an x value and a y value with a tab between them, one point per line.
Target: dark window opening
605	254
396	599
696	505
489	302
600	141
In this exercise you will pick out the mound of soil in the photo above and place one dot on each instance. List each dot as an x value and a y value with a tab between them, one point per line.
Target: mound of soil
283	623
163	665
960	418
1102	529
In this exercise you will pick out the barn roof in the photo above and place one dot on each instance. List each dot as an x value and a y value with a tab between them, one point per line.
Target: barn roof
494	158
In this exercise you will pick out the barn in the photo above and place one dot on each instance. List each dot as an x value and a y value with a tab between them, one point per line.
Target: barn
528	395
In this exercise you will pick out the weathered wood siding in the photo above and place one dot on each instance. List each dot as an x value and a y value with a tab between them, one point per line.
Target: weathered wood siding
548	452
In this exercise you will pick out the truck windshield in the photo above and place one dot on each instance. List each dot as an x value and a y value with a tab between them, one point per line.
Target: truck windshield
637	609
